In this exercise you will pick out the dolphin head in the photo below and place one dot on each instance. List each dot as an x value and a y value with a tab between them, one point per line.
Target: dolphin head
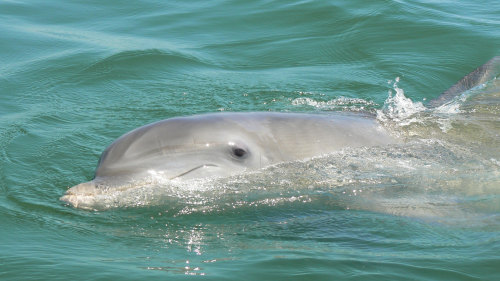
183	148
187	148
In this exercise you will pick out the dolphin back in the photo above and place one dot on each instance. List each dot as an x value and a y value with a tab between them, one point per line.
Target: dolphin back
480	75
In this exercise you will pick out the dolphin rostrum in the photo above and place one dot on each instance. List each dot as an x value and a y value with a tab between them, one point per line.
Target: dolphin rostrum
223	144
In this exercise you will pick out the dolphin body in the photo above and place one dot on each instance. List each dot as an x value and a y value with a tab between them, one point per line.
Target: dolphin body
223	144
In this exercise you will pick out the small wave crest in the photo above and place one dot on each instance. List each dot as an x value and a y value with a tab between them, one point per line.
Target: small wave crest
340	103
135	62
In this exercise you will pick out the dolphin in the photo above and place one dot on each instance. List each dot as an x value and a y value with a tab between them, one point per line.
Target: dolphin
224	144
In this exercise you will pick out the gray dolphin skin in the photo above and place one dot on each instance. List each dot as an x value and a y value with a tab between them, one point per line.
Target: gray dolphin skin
223	144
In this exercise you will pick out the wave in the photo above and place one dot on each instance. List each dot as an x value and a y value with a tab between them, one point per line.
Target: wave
133	63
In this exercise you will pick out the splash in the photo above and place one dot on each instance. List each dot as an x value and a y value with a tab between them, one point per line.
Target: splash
398	108
407	117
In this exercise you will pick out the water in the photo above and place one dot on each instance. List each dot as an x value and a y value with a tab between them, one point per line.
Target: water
76	75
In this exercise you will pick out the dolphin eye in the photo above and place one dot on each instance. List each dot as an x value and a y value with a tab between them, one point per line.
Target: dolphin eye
239	152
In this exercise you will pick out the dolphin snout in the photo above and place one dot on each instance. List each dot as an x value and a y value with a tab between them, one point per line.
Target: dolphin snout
80	193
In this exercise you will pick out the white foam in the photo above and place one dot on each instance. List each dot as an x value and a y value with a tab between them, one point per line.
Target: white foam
352	104
398	108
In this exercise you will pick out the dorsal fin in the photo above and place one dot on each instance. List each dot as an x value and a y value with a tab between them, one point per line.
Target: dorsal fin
480	75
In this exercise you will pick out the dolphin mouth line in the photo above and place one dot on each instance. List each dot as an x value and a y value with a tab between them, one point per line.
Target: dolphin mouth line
193	169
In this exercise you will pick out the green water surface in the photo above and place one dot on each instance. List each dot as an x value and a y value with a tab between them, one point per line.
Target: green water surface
75	75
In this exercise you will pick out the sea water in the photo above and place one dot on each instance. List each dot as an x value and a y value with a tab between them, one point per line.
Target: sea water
75	75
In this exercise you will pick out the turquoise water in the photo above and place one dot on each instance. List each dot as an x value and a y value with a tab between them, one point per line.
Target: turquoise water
75	75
